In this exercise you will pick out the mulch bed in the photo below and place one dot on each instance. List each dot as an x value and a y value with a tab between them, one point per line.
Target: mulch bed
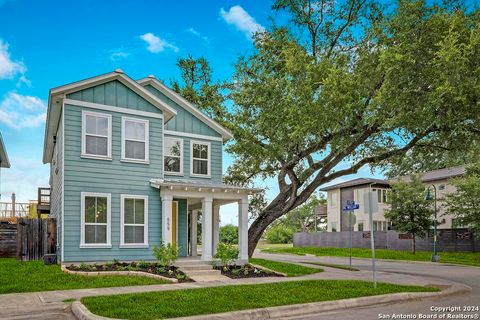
246	271
149	267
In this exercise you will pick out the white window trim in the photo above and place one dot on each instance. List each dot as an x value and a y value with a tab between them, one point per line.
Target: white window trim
146	141
122	222
173	173
209	160
109	220
84	153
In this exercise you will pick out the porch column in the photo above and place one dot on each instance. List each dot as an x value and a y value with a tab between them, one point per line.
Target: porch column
216	222
243	228
167	218
193	232
207	228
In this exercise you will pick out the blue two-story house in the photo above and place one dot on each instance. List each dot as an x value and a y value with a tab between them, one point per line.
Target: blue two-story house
132	163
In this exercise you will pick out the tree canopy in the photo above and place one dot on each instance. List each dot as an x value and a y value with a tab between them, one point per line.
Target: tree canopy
345	84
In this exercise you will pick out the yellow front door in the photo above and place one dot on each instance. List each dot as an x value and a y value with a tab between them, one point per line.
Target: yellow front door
174	222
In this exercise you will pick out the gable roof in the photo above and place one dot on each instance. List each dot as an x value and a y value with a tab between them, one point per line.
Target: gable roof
57	95
175	97
356	182
439	174
4	162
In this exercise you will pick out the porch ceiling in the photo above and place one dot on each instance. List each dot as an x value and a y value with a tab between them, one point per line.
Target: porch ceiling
194	186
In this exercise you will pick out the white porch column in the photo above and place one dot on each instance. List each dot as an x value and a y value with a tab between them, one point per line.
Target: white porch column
243	228
193	232
167	218
216	223
207	228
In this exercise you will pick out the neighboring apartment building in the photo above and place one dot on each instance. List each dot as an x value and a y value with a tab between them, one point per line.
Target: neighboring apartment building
338	194
131	163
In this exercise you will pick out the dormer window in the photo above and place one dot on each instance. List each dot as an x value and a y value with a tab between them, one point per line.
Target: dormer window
173	156
96	135
200	159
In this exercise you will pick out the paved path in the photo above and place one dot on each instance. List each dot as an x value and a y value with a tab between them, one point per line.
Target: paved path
49	305
432	272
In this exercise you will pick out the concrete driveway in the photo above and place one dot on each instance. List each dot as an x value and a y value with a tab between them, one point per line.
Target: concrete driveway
469	276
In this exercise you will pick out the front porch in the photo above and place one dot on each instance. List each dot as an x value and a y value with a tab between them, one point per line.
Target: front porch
205	199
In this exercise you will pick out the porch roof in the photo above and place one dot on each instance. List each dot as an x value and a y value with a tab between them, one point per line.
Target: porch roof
184	184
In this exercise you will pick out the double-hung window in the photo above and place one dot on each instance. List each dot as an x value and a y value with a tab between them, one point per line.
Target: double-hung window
96	135
134	221
200	159
135	134
95	220
173	156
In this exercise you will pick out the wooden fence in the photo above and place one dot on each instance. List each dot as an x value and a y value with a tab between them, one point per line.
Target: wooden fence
8	240
35	238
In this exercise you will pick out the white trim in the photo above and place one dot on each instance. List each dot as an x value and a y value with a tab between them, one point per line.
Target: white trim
82	220
192	135
122	222
84	153
187	105
173	173
62	250
209	160
146	123
106	107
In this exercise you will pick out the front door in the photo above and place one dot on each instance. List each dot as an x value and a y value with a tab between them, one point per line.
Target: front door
174	222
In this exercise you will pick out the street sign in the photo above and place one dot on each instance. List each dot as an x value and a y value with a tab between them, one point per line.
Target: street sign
351	207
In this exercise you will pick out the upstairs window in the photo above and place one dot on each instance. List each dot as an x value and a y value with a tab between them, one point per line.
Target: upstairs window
135	140
173	156
200	159
96	135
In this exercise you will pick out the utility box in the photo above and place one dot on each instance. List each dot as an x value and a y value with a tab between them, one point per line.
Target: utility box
50	259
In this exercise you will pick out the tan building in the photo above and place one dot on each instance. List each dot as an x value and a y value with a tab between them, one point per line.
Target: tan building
338	194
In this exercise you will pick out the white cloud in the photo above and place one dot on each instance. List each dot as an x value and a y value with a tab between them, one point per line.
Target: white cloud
243	21
198	34
8	67
119	55
19	111
156	45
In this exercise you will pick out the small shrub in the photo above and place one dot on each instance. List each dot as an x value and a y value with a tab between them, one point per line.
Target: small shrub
181	276
170	272
166	255
279	234
236	272
115	262
143	264
227	254
161	270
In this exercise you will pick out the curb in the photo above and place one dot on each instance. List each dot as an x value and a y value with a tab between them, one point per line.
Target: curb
119	273
304	309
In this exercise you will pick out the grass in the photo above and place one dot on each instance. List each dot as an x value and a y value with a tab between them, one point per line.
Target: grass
189	302
467	258
262	245
290	269
30	276
332	265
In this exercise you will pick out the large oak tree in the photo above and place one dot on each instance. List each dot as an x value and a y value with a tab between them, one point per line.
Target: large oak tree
347	84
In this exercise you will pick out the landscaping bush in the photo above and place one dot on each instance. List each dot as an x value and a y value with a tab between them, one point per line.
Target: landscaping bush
229	234
166	255
279	234
227	253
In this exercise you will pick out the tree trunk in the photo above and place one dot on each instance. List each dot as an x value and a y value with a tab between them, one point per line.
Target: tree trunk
413	243
258	226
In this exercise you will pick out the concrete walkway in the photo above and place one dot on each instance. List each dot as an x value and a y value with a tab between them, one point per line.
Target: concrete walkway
49	305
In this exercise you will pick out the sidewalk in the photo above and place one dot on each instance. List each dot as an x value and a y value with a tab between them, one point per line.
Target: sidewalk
38	301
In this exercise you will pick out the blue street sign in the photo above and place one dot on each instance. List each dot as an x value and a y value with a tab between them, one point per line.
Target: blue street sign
351	207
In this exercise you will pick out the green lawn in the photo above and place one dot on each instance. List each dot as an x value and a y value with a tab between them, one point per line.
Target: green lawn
18	276
262	244
468	258
189	302
290	269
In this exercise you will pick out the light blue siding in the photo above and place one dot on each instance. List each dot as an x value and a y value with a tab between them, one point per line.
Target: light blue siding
184	121
215	163
114	93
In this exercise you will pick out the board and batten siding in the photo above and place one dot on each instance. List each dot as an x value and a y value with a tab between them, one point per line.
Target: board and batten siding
182	225
109	176
56	184
184	121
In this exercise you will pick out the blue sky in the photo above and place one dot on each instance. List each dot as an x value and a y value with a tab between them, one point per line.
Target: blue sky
44	44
